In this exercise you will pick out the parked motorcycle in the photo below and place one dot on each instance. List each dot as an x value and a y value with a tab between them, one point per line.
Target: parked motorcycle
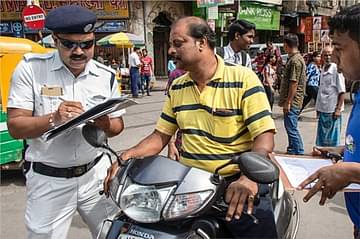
162	198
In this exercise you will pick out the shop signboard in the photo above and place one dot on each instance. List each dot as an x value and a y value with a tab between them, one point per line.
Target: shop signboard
212	3
10	10
308	29
5	28
265	18
213	12
274	2
113	26
12	28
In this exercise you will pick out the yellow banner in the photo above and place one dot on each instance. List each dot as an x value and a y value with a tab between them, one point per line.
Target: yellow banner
11	10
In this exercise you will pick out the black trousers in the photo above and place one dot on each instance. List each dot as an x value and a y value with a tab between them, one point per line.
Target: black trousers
311	93
270	95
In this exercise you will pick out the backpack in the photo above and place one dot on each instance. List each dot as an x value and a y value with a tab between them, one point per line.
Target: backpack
220	51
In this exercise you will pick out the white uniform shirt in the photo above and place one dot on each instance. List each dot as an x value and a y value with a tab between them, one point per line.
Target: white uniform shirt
134	59
235	58
332	84
37	71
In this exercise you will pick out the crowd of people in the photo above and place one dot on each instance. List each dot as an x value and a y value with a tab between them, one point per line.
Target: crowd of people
314	77
140	69
218	105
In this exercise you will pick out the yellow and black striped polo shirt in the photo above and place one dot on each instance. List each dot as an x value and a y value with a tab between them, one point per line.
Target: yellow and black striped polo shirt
219	122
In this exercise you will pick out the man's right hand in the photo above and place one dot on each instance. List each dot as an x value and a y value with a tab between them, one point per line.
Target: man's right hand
68	110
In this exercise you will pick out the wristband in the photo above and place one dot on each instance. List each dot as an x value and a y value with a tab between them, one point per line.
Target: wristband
51	121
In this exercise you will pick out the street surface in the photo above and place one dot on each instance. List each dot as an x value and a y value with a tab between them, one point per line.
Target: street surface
330	221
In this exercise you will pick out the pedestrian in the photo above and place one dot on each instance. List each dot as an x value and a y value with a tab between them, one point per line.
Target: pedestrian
108	58
114	65
171	65
292	93
313	78
64	174
221	111
147	71
269	77
345	31
241	35
100	57
135	64
271	49
330	102
258	63
172	76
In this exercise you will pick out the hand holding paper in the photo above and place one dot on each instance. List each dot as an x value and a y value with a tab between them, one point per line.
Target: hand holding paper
110	106
330	179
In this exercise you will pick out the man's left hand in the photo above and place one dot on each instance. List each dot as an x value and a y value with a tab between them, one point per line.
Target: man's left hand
330	179
286	108
237	194
336	114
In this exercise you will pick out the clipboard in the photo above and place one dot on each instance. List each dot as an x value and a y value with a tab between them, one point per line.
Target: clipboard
107	107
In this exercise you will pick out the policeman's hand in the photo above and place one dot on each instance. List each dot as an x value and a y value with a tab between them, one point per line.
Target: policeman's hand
103	123
111	173
173	152
330	179
237	194
67	110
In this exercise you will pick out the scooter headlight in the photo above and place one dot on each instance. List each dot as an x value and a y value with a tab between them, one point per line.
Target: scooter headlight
144	203
115	190
187	204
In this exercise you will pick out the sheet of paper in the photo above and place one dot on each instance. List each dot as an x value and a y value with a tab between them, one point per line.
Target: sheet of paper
298	169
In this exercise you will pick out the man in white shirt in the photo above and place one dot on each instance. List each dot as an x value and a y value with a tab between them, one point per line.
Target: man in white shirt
64	174
134	64
241	35
330	102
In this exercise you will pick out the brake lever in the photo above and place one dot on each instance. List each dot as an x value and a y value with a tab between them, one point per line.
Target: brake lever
337	157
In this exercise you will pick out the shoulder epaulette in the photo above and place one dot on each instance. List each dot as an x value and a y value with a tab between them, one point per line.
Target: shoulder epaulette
103	67
38	56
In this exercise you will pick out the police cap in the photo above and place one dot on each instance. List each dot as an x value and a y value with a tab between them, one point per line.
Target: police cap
71	19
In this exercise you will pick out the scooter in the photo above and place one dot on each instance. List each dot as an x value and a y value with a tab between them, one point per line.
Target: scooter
162	198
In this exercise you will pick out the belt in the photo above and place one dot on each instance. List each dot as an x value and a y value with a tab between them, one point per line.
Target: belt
70	172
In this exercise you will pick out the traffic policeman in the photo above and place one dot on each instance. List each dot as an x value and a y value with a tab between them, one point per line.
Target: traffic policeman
64	174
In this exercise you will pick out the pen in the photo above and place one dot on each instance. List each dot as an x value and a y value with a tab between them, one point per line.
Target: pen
61	98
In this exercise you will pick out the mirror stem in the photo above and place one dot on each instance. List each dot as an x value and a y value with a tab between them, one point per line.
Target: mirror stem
105	146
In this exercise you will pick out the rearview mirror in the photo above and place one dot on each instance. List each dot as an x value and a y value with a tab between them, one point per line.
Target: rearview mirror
257	167
94	136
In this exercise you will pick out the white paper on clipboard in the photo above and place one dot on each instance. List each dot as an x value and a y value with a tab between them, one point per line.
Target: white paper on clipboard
107	107
297	169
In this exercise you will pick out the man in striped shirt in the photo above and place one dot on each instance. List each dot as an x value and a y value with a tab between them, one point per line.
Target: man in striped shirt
221	111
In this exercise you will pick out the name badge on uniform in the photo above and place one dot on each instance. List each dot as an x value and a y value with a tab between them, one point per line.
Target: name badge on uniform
51	91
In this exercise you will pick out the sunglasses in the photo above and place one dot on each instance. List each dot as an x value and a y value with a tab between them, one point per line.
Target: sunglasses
71	45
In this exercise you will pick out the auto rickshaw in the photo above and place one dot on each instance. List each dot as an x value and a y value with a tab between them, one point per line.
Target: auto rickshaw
11	52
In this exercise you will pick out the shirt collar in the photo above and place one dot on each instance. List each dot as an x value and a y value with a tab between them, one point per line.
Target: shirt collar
231	51
219	69
219	72
57	63
331	70
90	66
